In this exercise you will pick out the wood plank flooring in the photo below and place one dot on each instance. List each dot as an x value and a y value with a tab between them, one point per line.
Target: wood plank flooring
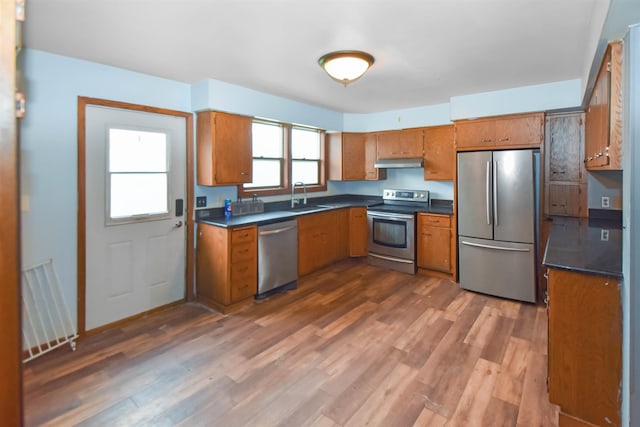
354	345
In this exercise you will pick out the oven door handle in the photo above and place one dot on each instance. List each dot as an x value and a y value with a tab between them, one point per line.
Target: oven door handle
389	258
389	215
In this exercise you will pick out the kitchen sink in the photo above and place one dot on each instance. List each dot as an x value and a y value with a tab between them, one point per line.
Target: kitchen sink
310	208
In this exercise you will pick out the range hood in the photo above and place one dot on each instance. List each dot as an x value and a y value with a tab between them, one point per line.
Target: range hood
409	162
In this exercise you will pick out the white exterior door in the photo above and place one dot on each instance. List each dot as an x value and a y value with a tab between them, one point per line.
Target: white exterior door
135	234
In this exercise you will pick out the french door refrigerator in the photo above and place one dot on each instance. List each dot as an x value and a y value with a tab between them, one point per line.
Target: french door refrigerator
497	222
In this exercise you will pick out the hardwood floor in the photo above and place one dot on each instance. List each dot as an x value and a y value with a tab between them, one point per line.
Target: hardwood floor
354	345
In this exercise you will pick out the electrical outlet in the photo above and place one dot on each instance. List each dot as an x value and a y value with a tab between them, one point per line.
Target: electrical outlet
604	235
201	201
605	202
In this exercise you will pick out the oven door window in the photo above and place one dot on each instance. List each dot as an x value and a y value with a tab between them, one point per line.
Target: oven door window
390	233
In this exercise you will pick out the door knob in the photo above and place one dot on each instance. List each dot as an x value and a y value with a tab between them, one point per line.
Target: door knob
178	224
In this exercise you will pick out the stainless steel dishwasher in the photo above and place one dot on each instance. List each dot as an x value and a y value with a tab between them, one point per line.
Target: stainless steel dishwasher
277	258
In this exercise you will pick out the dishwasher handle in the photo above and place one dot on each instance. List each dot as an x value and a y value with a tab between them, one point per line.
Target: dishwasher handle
276	231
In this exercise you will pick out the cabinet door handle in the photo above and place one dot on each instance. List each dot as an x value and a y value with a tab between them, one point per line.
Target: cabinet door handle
486	140
504	139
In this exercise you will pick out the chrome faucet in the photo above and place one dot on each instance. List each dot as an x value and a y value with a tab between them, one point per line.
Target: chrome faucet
293	189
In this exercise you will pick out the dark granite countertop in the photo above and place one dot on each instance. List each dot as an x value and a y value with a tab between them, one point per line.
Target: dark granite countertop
281	211
592	246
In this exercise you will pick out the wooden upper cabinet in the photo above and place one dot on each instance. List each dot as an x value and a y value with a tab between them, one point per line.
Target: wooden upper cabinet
519	131
223	149
352	157
565	176
603	119
346	156
370	156
398	144
475	134
525	130
439	153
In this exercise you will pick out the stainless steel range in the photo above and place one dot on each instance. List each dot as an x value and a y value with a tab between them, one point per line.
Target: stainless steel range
392	229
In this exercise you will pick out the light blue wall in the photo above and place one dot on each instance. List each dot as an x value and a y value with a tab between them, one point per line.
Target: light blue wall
431	115
49	138
550	96
232	98
48	148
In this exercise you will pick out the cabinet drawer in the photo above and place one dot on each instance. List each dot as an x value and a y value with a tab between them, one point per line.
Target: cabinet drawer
243	252
434	221
241	270
243	235
244	288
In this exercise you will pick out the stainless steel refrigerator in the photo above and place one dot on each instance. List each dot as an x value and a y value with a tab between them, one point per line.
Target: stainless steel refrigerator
497	222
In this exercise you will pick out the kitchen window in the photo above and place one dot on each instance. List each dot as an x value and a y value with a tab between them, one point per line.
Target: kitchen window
284	154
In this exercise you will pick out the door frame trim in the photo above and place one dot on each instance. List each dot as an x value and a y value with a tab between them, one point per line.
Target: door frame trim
83	102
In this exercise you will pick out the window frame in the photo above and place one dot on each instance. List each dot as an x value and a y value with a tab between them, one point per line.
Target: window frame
287	159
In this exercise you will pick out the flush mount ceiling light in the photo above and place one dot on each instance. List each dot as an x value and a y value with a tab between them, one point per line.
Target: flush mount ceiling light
346	66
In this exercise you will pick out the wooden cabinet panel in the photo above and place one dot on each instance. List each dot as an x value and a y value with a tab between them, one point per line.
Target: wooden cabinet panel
317	241
565	175
527	130
434	242
212	264
223	149
352	157
603	119
426	220
346	156
342	234
371	155
518	130
439	153
397	144
585	346
226	265
567	200
475	133
565	137
358	232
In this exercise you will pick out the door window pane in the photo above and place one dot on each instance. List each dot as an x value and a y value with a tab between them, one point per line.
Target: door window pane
266	173
137	151
138	175
138	194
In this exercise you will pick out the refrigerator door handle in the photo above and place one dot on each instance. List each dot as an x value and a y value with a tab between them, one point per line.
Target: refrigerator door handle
479	245
495	192
487	191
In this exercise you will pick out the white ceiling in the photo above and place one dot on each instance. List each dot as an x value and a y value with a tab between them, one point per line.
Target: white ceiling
426	51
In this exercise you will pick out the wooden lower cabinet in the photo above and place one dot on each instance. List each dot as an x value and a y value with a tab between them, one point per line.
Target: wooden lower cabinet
358	232
324	238
342	237
434	243
226	265
585	348
317	241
